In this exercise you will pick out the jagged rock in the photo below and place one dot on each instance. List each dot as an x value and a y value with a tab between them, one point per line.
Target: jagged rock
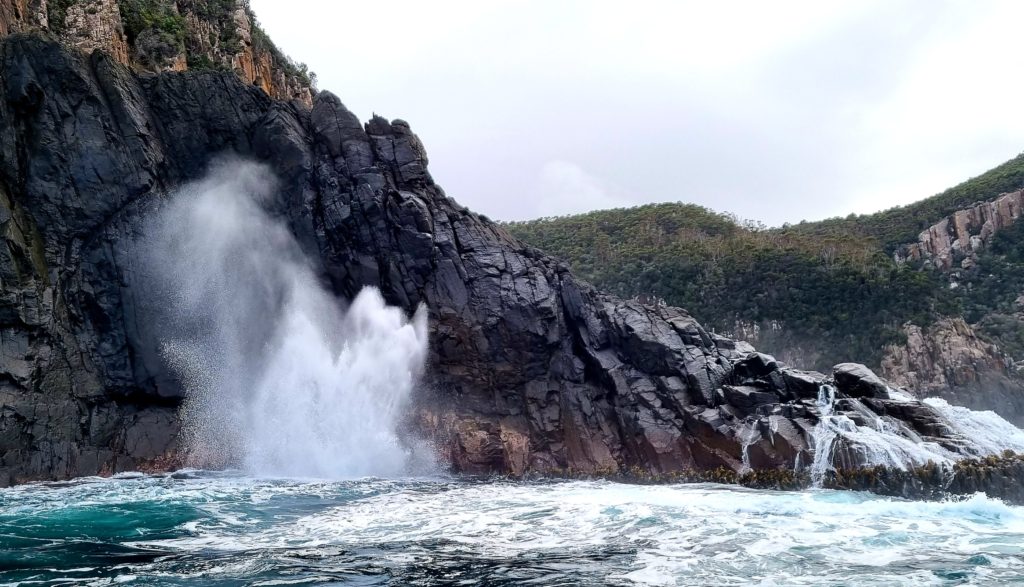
856	380
17	16
947	354
746	397
923	419
219	35
963	234
756	365
799	384
950	360
732	349
93	25
530	370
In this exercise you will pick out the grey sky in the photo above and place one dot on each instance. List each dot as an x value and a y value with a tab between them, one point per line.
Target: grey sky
777	111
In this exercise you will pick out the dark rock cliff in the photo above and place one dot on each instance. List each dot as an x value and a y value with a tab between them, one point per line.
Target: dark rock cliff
530	370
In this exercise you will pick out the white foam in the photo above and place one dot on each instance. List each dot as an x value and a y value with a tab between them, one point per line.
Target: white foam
879	441
985	432
281	378
675	534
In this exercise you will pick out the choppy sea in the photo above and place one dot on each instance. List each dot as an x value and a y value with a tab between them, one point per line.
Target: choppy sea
203	528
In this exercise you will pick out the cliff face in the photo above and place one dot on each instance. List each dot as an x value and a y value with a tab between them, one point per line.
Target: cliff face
955	241
530	370
22	15
948	359
96	25
166	35
816	293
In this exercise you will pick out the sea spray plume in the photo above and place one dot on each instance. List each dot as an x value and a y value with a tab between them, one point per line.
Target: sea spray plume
313	402
280	378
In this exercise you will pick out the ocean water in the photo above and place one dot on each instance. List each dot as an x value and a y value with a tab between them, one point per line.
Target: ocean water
198	528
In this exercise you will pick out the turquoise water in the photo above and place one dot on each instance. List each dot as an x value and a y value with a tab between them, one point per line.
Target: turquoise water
195	528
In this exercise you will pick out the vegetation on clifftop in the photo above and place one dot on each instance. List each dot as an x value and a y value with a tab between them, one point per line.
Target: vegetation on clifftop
204	32
824	291
901	225
993	299
141	15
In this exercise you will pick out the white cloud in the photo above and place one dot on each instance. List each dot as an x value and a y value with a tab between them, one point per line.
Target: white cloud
952	114
781	111
565	188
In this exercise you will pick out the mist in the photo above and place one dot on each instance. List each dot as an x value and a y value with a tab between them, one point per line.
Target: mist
281	378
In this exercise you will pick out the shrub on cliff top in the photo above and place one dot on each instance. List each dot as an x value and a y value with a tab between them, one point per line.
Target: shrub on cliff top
57	14
140	15
261	42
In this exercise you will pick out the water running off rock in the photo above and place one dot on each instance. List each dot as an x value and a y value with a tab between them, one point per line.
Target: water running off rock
861	438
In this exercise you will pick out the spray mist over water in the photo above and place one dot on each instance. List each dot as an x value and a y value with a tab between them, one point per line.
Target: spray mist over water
280	379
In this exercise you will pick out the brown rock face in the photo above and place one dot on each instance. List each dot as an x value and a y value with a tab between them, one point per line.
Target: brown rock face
18	16
252	62
956	240
949	360
97	25
947	354
226	41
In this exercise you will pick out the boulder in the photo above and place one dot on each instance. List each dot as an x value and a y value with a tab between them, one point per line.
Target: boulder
746	397
856	380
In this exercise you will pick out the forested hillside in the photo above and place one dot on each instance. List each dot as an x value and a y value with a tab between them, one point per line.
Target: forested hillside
899	225
817	292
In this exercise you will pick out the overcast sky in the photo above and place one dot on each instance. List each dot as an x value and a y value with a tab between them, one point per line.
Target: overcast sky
777	111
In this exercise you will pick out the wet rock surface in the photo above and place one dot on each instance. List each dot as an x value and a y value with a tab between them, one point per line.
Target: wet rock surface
856	380
530	370
997	476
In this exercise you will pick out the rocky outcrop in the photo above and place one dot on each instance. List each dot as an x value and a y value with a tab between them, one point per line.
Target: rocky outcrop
17	16
858	381
530	370
168	35
948	359
955	241
946	354
96	25
248	52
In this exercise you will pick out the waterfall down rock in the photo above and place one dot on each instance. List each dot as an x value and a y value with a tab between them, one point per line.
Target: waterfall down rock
863	438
